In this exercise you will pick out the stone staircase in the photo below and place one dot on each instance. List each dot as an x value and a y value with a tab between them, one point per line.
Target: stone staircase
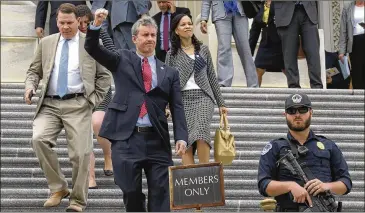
255	117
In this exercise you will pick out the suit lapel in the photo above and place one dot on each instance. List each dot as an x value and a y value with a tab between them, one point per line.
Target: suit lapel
160	71
81	52
158	18
53	49
136	62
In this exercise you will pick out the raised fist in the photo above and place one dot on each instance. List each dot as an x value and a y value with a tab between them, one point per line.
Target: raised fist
100	16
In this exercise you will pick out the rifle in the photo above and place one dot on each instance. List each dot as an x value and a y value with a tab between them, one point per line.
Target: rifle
324	201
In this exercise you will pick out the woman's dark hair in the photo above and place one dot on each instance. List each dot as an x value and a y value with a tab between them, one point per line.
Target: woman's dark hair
83	10
175	39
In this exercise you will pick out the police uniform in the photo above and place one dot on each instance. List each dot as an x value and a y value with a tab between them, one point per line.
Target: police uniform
323	158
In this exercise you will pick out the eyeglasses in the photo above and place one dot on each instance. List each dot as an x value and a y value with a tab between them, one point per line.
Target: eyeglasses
293	111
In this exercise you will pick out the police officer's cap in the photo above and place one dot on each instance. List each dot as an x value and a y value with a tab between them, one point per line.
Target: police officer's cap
297	99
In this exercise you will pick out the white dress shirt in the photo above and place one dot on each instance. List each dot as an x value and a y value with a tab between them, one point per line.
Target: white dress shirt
75	84
191	84
358	18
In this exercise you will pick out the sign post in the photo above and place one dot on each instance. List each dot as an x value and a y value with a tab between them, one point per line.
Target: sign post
196	186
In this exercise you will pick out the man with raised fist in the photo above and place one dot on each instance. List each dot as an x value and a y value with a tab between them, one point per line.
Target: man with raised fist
135	122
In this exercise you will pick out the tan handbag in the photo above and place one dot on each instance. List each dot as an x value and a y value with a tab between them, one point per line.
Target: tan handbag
224	147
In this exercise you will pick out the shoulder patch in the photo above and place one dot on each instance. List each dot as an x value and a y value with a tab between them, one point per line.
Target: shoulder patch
320	145
266	149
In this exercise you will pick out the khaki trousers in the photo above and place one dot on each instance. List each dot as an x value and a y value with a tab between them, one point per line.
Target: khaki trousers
73	115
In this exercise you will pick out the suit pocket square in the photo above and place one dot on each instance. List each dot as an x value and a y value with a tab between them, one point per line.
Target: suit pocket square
199	63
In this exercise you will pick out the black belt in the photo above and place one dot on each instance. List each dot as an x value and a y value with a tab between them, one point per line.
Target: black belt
144	129
68	96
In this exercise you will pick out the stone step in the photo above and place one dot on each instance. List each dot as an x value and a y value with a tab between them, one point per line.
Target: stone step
233	194
265	136
239	103
255	117
116	205
11	112
241	154
32	162
244	96
27	125
108	183
287	91
37	172
248	145
228	172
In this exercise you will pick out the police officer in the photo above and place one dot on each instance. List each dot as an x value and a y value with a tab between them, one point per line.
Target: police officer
322	157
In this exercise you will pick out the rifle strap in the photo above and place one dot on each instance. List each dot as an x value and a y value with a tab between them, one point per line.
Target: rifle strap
294	150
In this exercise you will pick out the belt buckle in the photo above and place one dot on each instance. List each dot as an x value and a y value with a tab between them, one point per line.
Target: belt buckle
138	129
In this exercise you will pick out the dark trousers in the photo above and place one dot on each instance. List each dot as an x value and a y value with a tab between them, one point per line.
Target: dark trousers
122	36
357	57
301	25
142	151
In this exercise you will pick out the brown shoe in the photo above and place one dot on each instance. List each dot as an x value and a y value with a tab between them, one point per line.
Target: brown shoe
73	208
55	198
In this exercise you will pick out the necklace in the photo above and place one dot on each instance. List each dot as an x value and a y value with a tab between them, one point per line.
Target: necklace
186	48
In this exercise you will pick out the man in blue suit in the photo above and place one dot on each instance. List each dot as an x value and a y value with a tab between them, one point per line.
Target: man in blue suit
135	122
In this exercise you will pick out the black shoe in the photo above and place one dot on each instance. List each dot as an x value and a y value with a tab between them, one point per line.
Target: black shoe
71	210
221	85
108	172
93	187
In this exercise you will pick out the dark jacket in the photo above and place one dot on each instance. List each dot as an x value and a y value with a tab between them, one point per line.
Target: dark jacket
269	32
122	114
41	14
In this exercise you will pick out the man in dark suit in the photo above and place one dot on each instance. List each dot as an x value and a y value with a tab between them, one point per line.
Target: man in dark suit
163	20
135	122
123	14
41	16
294	18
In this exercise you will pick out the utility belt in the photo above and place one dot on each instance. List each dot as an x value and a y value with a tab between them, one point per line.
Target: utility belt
299	208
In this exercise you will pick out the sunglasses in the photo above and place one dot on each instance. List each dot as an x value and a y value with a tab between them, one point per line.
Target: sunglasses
293	111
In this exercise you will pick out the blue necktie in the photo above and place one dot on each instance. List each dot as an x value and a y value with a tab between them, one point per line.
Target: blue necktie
63	70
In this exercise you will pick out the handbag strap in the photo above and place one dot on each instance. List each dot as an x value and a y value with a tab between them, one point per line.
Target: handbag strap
224	122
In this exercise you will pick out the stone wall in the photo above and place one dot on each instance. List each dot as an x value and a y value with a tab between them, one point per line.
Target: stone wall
18	39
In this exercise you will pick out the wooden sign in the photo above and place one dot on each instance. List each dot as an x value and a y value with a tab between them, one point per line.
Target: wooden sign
196	186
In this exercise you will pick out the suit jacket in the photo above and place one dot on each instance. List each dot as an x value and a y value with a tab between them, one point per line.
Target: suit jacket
270	37
41	14
124	11
161	54
205	78
284	11
96	78
347	28
123	111
218	10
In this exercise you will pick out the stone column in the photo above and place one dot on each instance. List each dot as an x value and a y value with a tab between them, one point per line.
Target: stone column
18	39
